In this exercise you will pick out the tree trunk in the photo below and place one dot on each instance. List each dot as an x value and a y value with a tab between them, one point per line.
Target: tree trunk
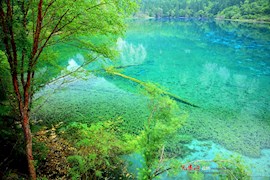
23	104
28	146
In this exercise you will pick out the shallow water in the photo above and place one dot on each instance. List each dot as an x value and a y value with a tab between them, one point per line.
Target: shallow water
221	66
224	67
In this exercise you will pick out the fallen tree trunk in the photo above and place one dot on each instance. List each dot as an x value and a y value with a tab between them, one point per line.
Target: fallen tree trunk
176	98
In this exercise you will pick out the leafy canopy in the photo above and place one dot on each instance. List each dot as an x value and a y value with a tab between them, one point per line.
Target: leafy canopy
37	26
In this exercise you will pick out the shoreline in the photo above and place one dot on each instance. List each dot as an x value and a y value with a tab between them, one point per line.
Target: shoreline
204	18
244	20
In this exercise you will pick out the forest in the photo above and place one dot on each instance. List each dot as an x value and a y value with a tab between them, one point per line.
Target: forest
52	47
225	9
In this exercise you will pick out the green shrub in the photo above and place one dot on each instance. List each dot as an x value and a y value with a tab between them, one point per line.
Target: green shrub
161	125
98	151
231	168
234	166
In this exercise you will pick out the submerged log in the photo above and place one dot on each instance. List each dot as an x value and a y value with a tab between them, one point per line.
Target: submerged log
176	98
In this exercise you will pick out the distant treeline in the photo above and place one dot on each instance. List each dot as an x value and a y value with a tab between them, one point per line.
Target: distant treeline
228	9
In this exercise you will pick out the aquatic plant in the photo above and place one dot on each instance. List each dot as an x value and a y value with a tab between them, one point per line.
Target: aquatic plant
176	147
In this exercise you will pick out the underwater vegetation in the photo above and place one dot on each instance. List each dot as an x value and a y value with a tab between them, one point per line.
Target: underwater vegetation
230	131
207	63
89	105
95	100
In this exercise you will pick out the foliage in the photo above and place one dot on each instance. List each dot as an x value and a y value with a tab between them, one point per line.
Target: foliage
98	151
28	28
235	9
248	10
196	175
11	137
161	125
7	103
176	146
231	168
236	169
11	142
51	152
3	76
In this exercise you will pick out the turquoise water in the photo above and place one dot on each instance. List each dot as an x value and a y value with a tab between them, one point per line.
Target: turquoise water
221	66
224	67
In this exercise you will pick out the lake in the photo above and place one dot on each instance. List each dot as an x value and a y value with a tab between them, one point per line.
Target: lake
221	66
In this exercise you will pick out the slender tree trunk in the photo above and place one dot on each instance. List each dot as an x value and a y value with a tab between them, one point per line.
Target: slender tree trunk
28	146
23	103
26	127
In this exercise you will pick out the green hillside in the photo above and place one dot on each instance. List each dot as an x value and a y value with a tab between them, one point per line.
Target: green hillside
228	9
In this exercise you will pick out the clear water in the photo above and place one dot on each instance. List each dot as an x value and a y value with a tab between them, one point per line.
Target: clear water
224	67
221	66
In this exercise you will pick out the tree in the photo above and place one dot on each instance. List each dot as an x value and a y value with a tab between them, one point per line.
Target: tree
255	9
161	125
28	27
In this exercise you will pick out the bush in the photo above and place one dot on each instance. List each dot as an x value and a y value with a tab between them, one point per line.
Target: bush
162	124
220	168
98	151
